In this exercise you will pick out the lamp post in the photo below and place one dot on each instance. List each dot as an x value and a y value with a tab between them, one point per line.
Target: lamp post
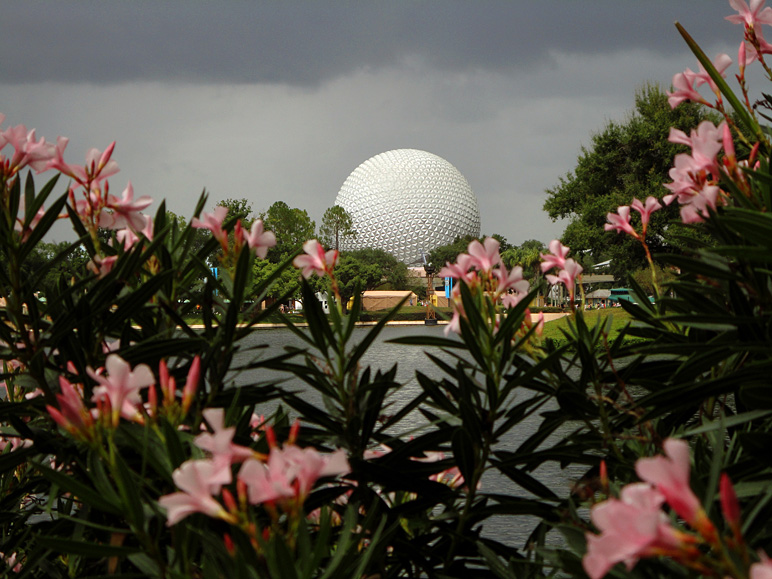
431	317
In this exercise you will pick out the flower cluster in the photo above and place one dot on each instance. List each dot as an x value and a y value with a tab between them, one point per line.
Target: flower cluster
696	176
281	480
95	205
568	269
257	239
28	151
620	221
483	272
118	395
750	17
634	526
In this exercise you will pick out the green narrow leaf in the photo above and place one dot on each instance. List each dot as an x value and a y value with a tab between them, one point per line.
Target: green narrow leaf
84	548
83	492
128	486
370	337
464	454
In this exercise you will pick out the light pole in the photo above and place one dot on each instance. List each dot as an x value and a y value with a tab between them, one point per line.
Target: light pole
431	317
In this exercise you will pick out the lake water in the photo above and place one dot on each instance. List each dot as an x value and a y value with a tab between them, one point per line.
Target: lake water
382	355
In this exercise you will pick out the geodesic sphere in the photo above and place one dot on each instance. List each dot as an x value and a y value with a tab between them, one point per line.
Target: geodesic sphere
407	201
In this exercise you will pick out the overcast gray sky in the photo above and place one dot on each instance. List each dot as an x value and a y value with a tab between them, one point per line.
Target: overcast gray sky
272	100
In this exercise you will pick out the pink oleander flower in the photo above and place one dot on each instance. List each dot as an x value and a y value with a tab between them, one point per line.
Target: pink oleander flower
454	325
540	324
99	165
631	527
101	266
646	209
121	387
220	442
315	260
125	212
511	287
620	221
686	176
261	486
670	474
567	276
720	63
460	270
28	151
512	280
764	47
303	466
259	240
373	453
705	141
484	256
25	229
127	238
683	82
10	560
694	208
451	477
556	257
510	300
198	480
290	473
256	423
762	569
213	222
15	442
757	13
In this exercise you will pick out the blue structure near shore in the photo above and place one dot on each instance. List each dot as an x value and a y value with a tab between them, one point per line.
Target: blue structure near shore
623	294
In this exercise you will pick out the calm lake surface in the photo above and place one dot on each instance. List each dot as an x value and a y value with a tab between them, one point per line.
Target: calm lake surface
409	359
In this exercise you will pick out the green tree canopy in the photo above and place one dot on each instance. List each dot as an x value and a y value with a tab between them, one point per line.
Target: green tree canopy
336	226
65	270
527	255
393	271
239	209
354	273
292	228
625	160
443	254
366	269
288	281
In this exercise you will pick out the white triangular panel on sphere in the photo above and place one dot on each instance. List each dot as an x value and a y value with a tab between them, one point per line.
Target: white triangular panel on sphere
407	201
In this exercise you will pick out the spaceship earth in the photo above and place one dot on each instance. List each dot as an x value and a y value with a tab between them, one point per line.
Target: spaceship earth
407	201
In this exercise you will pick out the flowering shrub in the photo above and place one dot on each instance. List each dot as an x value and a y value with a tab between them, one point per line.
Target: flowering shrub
108	468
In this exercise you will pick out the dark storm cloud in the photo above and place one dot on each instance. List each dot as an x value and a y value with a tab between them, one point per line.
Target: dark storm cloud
306	42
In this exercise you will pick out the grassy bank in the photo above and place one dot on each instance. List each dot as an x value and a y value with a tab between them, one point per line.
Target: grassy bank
619	319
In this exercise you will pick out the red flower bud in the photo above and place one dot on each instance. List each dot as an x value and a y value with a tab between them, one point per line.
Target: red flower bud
229	546
729	504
